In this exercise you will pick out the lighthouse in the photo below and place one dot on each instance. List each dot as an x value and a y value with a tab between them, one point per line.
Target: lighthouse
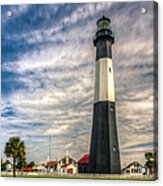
104	150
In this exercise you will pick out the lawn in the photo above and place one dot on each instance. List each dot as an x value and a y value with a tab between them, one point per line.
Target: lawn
82	177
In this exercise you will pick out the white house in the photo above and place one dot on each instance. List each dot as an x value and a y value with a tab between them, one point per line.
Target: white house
39	168
67	165
135	169
68	169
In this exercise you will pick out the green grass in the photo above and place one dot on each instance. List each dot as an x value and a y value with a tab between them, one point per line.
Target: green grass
81	177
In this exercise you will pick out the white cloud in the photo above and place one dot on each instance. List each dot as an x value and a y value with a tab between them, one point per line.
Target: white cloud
54	131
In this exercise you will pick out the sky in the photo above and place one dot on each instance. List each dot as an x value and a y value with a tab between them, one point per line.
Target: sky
48	74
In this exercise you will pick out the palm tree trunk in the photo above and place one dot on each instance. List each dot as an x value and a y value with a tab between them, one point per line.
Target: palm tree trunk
14	168
151	171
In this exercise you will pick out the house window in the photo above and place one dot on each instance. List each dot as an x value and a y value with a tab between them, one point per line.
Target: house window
109	69
128	171
136	170
64	161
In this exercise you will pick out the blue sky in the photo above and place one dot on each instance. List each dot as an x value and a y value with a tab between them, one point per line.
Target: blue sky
48	71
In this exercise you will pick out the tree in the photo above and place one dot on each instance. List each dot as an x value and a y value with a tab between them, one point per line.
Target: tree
151	162
4	165
15	149
31	164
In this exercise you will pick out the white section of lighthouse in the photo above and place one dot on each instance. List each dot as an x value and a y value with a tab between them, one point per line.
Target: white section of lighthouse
104	80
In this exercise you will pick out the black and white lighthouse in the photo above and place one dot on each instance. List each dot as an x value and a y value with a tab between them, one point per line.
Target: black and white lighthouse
104	151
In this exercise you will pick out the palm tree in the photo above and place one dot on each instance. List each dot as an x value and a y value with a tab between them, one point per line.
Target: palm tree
15	149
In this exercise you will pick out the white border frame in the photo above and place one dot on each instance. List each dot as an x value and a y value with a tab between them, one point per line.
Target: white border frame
69	182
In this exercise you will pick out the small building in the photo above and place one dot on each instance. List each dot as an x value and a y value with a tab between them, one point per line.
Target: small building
135	169
39	168
67	165
52	166
68	169
83	164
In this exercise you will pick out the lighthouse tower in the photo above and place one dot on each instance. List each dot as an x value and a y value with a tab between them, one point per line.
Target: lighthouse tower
104	151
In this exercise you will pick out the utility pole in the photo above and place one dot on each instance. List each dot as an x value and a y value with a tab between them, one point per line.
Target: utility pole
49	148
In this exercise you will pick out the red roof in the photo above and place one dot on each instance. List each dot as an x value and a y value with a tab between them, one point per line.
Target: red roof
52	163
84	159
27	169
65	165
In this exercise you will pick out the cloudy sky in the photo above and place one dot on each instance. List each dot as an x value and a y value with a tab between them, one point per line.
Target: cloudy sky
48	71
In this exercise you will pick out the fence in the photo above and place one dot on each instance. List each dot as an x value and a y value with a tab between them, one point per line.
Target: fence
84	176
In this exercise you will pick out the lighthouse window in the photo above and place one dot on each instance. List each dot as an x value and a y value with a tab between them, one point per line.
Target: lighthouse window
111	108
109	69
114	148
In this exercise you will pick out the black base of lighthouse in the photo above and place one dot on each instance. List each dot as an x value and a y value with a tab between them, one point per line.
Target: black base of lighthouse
104	152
